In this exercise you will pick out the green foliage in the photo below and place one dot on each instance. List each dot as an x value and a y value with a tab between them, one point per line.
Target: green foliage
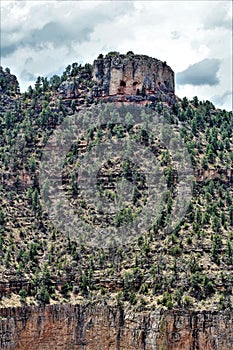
118	130
231	215
22	294
2	218
184	103
43	295
124	216
195	101
112	53
176	251
66	288
166	300
132	298
54	82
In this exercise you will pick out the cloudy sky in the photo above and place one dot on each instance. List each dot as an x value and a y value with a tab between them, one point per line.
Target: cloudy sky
194	37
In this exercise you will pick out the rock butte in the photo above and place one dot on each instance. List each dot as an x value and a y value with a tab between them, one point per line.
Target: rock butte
122	78
130	74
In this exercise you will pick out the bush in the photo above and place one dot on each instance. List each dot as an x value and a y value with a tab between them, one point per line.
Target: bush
132	298
22	294
209	287
2	218
188	301
166	300
66	289
112	53
43	295
176	251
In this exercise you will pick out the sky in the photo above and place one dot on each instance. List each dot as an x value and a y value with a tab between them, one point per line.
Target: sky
41	38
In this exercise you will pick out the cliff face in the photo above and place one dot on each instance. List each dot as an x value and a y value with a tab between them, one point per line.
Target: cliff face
101	327
130	74
121	78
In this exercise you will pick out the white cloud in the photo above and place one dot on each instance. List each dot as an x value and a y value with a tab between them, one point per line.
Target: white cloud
43	37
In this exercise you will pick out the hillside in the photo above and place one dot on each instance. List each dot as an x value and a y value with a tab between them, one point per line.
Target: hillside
189	268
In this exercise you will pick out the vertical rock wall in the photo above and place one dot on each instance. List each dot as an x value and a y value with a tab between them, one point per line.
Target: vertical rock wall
98	326
129	74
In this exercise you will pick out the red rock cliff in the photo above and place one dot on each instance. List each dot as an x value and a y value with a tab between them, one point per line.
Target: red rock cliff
99	327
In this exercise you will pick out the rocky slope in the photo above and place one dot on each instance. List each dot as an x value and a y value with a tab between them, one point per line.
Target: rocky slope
188	270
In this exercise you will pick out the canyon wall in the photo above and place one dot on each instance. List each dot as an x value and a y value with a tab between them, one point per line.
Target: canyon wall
101	327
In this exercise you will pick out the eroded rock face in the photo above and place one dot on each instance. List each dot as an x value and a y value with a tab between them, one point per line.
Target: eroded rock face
133	74
98	326
120	78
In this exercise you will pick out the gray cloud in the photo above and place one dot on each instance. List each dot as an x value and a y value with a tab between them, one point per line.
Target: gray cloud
175	35
200	73
28	76
218	18
7	50
57	34
51	33
61	31
222	99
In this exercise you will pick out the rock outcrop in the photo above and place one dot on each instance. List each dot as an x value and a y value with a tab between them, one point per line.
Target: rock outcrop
98	326
132	74
225	175
8	82
120	78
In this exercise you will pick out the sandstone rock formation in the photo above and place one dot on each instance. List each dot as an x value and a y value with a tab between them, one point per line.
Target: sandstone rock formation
98	326
132	74
121	78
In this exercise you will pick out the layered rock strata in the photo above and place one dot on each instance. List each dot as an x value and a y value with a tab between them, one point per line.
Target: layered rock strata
98	326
